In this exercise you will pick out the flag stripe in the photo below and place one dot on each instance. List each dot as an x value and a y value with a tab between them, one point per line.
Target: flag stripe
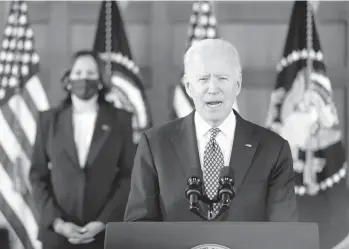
15	224
10	144
9	168
181	104
20	138
15	241
20	135
24	118
37	93
7	164
30	103
19	207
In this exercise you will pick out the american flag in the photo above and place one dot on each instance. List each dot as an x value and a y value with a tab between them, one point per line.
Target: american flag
202	25
21	97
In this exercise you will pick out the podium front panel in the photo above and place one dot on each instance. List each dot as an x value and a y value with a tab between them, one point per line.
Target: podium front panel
211	235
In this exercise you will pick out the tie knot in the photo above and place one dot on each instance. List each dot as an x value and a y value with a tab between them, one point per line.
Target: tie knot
214	132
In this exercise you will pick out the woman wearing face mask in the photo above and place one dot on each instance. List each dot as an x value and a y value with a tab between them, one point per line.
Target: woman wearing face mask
81	162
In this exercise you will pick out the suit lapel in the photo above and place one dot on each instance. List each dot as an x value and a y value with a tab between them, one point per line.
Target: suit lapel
184	144
244	148
103	126
66	133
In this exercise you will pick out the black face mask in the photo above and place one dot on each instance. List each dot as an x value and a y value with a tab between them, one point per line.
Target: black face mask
84	89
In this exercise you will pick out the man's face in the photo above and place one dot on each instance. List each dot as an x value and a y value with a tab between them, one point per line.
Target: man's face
84	77
213	81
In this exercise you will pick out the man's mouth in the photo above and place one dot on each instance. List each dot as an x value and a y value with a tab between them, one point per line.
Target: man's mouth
214	104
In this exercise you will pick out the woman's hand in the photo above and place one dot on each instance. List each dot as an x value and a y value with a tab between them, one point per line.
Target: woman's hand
88	232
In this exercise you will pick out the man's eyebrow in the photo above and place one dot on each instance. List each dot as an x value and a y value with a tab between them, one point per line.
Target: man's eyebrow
221	74
92	71
203	75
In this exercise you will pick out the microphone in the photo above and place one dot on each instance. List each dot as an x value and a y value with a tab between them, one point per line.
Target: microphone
194	192
226	189
226	185
194	187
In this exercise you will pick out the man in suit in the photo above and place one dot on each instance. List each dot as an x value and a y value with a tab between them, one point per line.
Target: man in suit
82	161
211	137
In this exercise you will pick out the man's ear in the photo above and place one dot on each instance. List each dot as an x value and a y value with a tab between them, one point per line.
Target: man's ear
238	82
187	85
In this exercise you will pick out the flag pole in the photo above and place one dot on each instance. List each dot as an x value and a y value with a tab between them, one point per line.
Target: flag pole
309	175
108	37
309	40
7	6
123	4
213	6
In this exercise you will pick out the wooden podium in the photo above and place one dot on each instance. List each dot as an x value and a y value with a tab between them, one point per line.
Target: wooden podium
211	235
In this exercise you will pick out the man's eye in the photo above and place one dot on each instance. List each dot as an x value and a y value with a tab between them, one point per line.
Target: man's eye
92	76
75	76
91	72
222	78
76	73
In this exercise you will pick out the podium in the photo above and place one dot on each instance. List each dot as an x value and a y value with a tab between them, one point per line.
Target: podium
4	238
211	235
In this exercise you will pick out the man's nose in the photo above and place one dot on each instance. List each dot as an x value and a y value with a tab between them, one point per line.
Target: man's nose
212	86
83	76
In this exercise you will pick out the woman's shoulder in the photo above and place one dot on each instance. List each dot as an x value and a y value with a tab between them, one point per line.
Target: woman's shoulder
51	114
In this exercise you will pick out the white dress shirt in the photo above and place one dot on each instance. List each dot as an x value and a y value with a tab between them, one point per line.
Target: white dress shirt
84	119
225	137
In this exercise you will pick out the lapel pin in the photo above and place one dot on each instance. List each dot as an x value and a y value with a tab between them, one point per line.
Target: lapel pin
248	145
105	127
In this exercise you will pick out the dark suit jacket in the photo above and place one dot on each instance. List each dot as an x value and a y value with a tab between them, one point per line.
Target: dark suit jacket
264	180
80	195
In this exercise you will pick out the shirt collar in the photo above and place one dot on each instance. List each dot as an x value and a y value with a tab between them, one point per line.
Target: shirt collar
202	127
227	127
81	106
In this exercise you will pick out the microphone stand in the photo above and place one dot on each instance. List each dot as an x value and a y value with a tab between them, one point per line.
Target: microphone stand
195	208
224	196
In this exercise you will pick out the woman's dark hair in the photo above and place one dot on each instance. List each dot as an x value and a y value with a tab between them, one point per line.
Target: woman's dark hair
101	72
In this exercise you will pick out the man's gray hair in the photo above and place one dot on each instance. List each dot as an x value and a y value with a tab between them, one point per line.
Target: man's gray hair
218	45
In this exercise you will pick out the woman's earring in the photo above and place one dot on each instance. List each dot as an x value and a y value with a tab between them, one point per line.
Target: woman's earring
100	86
69	87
